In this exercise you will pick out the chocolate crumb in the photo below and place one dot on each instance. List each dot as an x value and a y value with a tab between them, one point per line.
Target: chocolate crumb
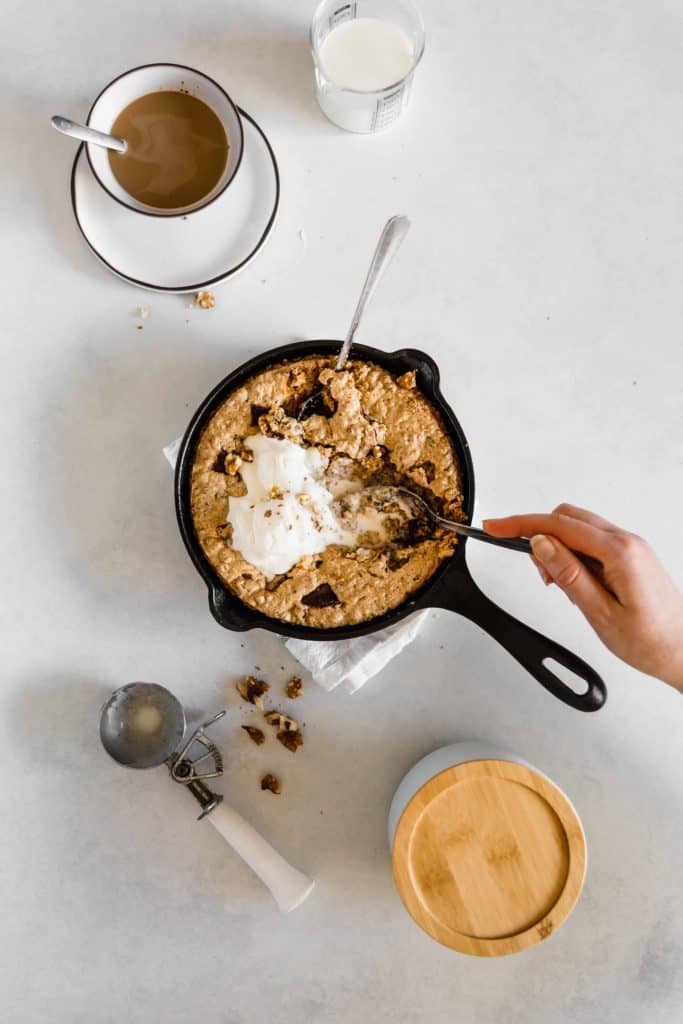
291	740
281	721
257	735
252	690
272	784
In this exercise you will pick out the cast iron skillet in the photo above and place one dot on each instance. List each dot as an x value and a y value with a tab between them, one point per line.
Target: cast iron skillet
450	587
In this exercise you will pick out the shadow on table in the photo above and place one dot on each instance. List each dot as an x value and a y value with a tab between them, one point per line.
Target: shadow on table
37	168
108	485
57	718
270	76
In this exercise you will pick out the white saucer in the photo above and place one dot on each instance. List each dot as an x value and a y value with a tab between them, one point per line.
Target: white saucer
183	254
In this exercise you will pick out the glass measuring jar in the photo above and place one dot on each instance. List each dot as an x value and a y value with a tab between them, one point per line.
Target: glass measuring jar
365	99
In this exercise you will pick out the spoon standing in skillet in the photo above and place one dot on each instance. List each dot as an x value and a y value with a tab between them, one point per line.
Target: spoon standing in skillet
393	233
417	508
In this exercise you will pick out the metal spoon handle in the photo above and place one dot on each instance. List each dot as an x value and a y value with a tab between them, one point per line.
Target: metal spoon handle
393	233
594	565
513	543
81	131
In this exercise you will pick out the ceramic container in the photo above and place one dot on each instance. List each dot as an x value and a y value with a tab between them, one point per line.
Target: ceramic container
488	854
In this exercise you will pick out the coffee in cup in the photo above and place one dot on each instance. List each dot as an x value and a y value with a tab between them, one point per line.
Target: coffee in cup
177	149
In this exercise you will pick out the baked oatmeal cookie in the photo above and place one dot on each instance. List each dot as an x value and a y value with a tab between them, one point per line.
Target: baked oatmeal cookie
372	427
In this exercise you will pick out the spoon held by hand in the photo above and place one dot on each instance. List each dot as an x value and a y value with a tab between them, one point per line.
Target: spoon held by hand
418	508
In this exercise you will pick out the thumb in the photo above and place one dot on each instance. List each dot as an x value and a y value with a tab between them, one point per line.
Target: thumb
571	575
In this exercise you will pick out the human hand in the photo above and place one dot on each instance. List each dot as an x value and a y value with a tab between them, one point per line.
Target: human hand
633	607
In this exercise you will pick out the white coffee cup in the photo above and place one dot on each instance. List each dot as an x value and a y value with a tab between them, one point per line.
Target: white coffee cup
129	86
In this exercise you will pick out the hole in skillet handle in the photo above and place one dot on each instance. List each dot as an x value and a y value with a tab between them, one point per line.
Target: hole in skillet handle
570	679
538	654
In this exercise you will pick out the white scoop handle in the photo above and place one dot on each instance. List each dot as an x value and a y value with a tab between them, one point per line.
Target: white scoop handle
288	886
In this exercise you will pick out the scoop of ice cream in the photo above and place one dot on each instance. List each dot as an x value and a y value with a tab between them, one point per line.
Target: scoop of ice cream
286	512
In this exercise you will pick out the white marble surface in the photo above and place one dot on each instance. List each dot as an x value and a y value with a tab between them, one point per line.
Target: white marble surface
540	163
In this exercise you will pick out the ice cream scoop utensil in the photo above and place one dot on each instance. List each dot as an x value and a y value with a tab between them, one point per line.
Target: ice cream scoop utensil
142	725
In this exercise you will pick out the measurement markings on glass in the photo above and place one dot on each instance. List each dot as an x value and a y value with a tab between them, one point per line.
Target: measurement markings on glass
387	108
346	13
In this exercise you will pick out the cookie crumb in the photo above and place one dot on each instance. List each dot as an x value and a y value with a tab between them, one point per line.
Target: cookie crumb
252	690
406	380
272	784
291	740
143	312
294	688
205	300
232	464
281	721
257	735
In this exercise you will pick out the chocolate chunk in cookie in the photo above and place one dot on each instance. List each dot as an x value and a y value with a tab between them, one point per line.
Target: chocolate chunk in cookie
320	403
256	412
219	462
322	597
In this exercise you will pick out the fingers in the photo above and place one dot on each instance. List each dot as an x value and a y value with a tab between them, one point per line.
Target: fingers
575	512
574	533
571	575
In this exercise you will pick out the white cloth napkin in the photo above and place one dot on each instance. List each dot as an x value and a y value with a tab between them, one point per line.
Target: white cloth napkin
344	663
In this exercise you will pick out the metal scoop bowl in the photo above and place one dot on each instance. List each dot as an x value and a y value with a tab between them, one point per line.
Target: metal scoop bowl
142	725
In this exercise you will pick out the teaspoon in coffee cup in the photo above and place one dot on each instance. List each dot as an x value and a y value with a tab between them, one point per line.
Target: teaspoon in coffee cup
393	233
74	130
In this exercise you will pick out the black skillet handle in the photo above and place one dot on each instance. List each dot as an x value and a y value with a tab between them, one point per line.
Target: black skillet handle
527	646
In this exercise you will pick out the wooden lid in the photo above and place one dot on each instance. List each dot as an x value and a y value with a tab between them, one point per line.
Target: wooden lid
489	857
